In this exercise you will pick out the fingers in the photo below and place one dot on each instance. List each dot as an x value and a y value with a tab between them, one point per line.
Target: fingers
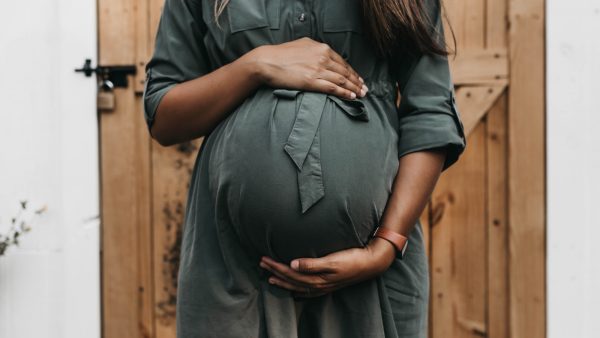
283	277
285	272
343	82
301	290
345	72
313	265
337	71
325	86
344	68
307	277
311	65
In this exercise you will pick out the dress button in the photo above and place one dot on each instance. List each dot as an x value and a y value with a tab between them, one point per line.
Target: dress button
302	17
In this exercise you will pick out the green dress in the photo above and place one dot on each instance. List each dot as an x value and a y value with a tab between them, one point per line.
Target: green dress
291	173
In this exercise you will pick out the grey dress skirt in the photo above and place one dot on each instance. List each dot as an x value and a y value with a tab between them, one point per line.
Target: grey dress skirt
291	173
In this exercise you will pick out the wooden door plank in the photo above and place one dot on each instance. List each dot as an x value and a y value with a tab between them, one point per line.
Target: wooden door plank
526	169
143	51
454	22
441	322
458	208
125	221
497	239
474	25
125	167
145	244
143	43
458	245
457	299
496	24
117	31
497	197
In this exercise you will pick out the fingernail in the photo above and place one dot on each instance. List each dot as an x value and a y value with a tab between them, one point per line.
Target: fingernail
263	265
366	88
352	95
363	92
271	281
295	265
361	79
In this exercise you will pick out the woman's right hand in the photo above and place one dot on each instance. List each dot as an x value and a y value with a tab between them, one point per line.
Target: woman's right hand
307	64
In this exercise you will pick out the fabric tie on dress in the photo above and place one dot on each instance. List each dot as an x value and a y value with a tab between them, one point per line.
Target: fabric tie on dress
303	143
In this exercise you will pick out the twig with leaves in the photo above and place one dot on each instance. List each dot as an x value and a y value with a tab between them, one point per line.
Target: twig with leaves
18	226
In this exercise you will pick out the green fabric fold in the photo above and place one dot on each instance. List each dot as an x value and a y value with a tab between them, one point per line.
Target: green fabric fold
303	142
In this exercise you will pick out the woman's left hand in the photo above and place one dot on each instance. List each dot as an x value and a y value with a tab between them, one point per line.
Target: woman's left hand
312	277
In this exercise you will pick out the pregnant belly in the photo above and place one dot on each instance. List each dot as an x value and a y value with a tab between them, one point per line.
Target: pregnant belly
302	174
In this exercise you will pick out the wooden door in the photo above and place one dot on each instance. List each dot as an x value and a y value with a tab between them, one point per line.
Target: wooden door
486	217
484	224
144	187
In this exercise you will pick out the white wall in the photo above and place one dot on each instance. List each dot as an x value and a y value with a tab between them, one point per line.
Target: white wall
573	134
50	285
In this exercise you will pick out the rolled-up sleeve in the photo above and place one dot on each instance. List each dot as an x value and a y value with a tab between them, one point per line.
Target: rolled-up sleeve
179	52
428	115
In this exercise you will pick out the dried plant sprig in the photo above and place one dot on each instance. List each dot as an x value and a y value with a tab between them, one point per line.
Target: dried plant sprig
18	226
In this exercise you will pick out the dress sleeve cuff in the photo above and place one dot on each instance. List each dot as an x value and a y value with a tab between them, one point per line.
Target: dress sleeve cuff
152	98
427	130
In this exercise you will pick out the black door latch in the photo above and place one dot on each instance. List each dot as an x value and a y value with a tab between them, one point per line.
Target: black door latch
117	75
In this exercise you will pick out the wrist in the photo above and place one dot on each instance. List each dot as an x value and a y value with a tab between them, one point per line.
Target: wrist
383	252
256	65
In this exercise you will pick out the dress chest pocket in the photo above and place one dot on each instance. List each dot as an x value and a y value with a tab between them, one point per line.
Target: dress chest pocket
251	14
342	16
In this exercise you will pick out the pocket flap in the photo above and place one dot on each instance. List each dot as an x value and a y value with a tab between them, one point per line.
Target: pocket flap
252	14
342	16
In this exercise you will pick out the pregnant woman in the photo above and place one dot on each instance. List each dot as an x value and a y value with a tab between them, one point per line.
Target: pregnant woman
305	154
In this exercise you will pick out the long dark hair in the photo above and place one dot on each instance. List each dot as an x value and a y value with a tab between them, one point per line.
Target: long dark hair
393	25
